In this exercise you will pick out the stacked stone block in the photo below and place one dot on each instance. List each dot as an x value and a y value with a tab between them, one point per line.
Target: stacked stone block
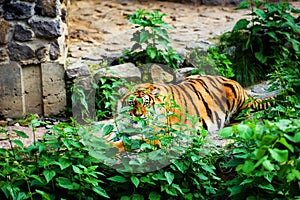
32	57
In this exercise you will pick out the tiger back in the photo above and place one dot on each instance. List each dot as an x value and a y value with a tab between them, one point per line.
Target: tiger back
213	99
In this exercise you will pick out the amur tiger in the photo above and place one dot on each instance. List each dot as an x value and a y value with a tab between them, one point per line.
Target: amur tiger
215	100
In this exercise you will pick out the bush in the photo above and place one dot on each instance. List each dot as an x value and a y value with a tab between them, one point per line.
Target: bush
266	158
268	40
54	167
151	40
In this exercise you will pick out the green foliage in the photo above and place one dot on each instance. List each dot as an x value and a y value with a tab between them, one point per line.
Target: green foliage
106	96
192	176
151	40
55	167
256	46
288	99
266	158
224	65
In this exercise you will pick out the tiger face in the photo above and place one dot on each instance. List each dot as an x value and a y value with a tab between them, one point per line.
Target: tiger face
144	96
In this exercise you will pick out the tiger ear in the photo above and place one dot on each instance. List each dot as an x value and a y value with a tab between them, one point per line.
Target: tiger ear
155	92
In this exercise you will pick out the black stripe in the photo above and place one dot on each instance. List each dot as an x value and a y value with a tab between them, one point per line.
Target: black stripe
190	98
200	97
204	124
208	110
196	92
213	96
180	95
218	120
232	88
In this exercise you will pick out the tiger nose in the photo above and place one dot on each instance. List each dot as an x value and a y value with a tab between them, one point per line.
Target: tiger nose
138	114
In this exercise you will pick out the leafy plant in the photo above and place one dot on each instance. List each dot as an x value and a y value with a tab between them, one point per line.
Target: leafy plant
223	64
255	46
106	96
266	158
151	40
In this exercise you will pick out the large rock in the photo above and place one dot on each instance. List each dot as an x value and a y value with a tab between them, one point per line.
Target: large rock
128	71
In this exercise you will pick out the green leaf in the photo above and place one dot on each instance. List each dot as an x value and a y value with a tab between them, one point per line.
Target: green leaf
21	134
246	181
266	186
63	163
273	35
177	187
154	196
125	198
248	167
279	155
259	56
108	129
235	190
49	174
170	177
137	197
245	131
44	194
158	177
117	178
268	140
151	52
66	183
144	36
135	181
19	143
226	132
76	169
180	166
100	191
295	138
293	175
268	165
201	176
287	145
260	13
283	124
295	44
36	177
241	25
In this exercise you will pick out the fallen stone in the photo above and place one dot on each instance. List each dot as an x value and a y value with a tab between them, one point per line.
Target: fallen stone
78	69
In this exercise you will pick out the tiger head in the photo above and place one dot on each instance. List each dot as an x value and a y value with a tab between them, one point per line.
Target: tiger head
142	97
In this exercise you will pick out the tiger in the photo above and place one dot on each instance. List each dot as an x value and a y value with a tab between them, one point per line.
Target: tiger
214	100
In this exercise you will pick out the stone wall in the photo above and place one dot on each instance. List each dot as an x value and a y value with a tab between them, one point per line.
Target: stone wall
32	57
